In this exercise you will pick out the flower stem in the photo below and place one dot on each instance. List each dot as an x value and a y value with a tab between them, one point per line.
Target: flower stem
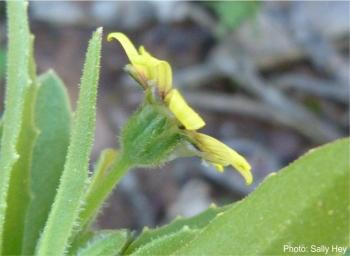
96	194
100	191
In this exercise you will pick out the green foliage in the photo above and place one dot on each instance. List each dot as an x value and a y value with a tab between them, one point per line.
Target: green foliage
66	206
18	194
97	184
195	223
2	63
52	116
306	203
347	253
166	245
48	201
0	131
147	139
232	13
98	193
18	82
107	158
105	243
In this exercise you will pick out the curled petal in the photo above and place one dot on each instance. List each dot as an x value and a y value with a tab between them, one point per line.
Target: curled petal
183	112
146	68
128	46
218	154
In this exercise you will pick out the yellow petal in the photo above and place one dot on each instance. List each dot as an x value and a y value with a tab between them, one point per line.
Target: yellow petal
241	165
147	68
218	153
160	71
168	82
147	59
147	56
183	112
128	46
163	77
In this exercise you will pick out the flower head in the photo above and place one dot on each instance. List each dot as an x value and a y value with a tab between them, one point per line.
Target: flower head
150	72
145	68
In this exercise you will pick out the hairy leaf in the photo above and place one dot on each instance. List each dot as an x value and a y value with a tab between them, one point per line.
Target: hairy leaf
197	222
105	243
19	192
52	118
306	203
0	131
167	244
2	63
17	84
65	209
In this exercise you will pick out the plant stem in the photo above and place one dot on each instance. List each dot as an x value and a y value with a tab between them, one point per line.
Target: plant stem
99	192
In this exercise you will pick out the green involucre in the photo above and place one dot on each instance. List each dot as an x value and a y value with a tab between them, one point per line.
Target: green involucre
150	136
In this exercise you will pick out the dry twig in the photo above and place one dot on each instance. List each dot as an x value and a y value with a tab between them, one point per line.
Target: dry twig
314	86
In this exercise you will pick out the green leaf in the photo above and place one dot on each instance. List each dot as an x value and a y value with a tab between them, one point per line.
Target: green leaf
1	126
19	192
104	163
103	166
80	241
167	244
105	243
65	209
347	252
52	119
197	222
306	203
2	63
17	83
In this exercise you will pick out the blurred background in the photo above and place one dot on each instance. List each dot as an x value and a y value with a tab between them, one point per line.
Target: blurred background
271	79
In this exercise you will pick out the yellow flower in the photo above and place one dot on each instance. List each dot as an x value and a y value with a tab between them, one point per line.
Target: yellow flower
220	155
144	67
150	71
147	69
